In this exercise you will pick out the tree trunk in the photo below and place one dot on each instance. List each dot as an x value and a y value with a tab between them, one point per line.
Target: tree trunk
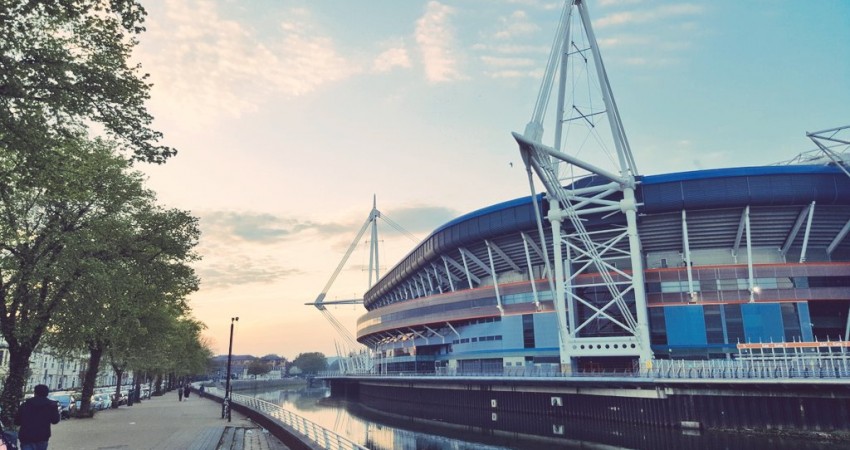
16	382
118	374
137	389
95	354
158	385
130	390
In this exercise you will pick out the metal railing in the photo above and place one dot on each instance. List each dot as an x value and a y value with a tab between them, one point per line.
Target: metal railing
834	366
318	434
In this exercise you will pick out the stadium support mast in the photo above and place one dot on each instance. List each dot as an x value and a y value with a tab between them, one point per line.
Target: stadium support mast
360	362
615	322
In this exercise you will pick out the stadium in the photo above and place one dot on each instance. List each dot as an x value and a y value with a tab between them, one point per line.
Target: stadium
609	269
730	256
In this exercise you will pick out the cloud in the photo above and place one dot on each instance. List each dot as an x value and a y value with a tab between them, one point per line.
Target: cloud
240	269
263	228
618	2
517	24
392	58
206	66
241	248
496	61
645	15
511	60
436	41
544	5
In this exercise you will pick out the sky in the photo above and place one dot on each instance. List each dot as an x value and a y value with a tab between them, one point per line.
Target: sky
289	116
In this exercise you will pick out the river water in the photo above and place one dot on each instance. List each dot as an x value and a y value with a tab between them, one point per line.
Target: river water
380	431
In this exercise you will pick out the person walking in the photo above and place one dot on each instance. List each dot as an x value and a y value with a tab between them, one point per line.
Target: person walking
34	418
186	391
180	393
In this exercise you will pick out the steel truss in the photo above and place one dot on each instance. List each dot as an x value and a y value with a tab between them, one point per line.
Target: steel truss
618	323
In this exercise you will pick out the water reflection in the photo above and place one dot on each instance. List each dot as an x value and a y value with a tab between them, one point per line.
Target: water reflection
315	405
407	429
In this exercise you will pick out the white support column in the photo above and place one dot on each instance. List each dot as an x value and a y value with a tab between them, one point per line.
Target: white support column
437	277
638	283
530	271
448	274
570	302
739	234
847	330
430	282
453	329
806	234
789	240
560	294
687	252
495	278
466	268
838	238
750	279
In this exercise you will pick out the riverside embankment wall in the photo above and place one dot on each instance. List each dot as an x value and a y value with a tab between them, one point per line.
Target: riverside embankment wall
515	404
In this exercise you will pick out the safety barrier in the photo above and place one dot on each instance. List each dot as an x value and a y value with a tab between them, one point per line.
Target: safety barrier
316	433
771	368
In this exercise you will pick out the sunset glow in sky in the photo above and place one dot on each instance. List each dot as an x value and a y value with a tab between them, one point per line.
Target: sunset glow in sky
289	115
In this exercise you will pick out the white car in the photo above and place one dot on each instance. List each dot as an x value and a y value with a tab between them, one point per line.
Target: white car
102	401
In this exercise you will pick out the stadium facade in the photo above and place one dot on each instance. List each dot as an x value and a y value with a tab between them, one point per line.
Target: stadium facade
611	269
729	256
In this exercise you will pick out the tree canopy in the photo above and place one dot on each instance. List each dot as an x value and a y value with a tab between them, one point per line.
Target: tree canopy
311	362
87	257
259	367
64	66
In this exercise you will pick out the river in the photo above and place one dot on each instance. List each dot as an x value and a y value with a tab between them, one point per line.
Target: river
380	431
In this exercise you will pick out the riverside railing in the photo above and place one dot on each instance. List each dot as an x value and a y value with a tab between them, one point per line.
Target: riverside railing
812	366
318	434
834	367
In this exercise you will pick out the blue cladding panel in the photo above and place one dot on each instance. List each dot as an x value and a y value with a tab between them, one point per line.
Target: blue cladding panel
805	321
662	197
763	322
512	331
685	325
545	330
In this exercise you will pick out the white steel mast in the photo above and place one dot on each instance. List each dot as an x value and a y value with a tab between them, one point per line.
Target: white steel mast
359	361
577	250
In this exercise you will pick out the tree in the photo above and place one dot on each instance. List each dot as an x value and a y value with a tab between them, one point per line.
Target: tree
52	204
64	65
311	363
131	296
258	367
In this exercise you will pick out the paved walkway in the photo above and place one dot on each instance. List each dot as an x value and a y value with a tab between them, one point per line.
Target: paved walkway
163	423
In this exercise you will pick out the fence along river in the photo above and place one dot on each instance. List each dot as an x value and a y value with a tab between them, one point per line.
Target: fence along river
411	427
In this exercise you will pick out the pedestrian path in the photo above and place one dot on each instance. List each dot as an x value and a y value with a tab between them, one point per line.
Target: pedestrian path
163	423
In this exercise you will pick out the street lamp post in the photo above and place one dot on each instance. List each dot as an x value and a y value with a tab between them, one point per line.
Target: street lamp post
225	406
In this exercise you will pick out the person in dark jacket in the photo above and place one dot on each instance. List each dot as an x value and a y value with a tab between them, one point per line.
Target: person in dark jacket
186	391
34	417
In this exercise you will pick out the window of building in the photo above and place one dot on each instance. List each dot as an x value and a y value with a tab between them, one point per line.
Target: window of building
528	331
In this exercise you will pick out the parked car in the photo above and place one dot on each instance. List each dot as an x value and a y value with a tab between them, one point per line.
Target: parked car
66	401
145	392
103	400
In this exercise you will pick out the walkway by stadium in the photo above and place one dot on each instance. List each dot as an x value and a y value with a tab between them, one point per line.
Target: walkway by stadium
163	423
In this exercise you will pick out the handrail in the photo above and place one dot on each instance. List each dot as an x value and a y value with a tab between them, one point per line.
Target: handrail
318	434
833	367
